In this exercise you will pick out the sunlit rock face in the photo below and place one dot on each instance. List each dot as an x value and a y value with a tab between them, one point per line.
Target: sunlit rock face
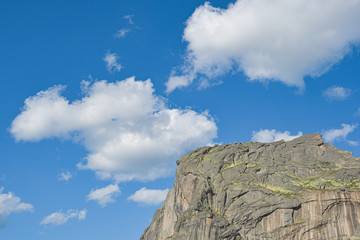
301	189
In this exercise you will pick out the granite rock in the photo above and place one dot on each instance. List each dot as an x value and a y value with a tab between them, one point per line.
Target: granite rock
300	189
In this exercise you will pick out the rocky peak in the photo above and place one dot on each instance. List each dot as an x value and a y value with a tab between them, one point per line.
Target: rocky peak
300	189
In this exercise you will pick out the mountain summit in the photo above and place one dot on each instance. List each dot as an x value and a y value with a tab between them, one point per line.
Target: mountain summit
300	189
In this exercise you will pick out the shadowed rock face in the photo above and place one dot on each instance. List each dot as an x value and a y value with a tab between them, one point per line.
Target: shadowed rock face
301	189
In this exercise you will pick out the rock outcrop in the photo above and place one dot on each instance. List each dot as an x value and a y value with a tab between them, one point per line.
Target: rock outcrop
301	189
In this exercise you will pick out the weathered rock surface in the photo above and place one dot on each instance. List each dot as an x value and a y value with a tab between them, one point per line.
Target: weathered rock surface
301	189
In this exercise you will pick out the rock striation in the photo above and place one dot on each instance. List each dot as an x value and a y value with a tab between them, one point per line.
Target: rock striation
301	189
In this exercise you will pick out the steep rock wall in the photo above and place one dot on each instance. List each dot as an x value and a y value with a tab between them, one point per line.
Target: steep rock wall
301	189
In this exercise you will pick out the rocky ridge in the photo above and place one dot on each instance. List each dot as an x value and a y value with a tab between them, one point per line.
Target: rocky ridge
301	189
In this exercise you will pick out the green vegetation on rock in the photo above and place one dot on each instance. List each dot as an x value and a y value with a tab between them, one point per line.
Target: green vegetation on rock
301	189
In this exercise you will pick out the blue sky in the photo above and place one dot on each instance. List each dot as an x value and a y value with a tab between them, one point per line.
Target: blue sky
99	99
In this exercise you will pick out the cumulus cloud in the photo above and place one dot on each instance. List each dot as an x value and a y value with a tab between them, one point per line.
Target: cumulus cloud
65	176
276	40
104	195
266	135
122	33
129	131
341	134
9	204
111	62
60	218
149	196
337	93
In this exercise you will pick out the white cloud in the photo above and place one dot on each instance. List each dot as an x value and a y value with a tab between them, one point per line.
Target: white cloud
175	82
266	135
353	143
128	130
122	33
276	40
9	204
104	195
65	176
60	218
129	18
111	62
341	134
337	93
149	196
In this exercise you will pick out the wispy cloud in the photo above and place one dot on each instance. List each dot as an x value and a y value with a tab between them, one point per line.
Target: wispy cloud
149	196
111	62
129	18
60	218
122	33
357	113
65	176
113	121
261	39
267	135
104	195
353	143
333	135
337	93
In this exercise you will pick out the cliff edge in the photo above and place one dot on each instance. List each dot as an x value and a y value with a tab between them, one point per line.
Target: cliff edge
301	189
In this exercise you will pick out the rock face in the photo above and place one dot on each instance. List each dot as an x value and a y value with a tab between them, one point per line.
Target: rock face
301	189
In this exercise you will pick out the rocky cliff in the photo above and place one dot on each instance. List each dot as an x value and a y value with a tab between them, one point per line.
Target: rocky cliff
301	189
